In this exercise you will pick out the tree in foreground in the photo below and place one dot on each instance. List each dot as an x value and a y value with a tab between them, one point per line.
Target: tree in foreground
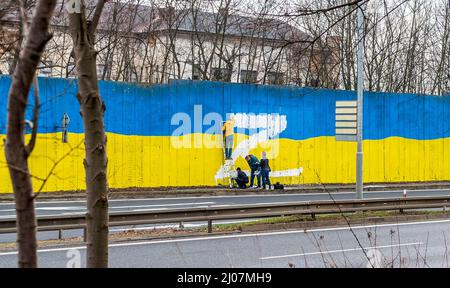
17	152
92	111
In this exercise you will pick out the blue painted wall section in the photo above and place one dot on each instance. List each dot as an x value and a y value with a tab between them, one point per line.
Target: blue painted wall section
139	111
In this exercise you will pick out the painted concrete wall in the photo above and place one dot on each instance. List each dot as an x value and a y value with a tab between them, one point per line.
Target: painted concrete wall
406	136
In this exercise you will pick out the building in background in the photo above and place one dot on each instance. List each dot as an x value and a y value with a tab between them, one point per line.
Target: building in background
145	44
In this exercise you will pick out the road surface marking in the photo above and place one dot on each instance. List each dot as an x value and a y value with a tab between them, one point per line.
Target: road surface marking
149	209
60	208
83	209
340	251
239	236
241	196
162	205
192	205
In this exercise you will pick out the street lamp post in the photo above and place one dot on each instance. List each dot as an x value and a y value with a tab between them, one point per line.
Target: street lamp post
360	56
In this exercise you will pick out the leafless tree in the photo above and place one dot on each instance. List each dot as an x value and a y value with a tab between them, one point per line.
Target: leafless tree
17	152
92	111
406	44
309	43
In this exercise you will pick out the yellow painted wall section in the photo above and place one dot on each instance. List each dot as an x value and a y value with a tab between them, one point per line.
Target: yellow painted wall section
138	161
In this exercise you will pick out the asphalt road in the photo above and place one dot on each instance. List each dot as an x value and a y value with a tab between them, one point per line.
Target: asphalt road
7	210
419	244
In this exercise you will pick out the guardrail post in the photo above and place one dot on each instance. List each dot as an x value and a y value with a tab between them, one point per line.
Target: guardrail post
313	216
85	234
405	202
210	228
60	234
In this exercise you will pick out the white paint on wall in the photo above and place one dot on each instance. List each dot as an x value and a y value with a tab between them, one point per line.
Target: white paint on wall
267	127
287	173
281	173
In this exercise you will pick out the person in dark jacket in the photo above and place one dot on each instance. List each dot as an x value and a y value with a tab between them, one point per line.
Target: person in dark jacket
241	178
253	162
265	170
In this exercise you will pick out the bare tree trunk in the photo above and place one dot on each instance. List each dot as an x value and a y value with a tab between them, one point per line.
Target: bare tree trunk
17	152
92	111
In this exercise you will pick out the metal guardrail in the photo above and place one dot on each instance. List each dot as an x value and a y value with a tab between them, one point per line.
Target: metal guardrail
214	213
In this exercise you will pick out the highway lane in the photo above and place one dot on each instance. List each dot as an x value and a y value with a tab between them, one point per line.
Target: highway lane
7	210
417	244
